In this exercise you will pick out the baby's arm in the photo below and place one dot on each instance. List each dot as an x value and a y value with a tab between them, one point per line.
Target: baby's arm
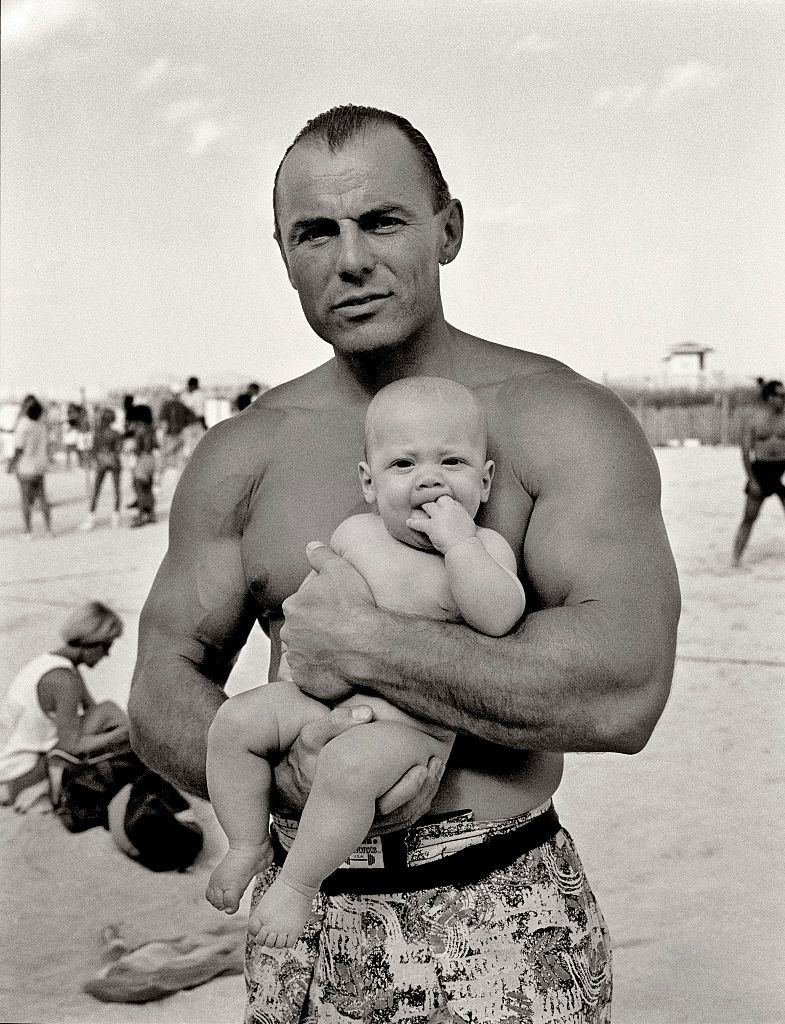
480	566
245	732
481	571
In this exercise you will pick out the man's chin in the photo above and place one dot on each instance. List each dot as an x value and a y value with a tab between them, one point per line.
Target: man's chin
368	337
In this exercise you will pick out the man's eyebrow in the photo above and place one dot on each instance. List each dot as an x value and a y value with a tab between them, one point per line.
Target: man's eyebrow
381	210
377	211
310	222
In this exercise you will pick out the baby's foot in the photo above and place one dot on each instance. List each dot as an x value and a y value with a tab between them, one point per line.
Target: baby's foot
281	914
231	877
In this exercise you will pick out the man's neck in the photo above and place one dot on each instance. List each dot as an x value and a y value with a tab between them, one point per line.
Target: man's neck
436	354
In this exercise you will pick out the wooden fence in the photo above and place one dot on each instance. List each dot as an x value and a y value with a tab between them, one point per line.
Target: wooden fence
714	423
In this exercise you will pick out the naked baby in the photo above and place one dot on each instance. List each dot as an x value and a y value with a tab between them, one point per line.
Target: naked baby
420	552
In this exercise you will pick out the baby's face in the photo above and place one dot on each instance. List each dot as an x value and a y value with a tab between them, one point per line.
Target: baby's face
417	453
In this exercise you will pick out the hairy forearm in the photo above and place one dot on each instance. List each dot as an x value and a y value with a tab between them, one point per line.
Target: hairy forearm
565	680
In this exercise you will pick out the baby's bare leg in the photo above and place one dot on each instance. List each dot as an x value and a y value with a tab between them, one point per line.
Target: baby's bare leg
246	729
353	770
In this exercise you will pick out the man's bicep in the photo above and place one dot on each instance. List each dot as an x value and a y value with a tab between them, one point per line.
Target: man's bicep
596	531
200	599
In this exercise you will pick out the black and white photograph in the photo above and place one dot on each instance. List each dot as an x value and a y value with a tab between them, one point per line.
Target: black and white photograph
392	549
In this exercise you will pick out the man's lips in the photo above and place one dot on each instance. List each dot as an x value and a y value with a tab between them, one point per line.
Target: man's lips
358	301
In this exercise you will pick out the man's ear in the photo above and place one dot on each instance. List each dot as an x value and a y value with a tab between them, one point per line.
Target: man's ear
369	491
452	231
277	237
487	476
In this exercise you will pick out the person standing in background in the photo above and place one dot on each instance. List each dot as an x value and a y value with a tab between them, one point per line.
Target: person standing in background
30	462
143	474
174	416
193	399
763	455
107	448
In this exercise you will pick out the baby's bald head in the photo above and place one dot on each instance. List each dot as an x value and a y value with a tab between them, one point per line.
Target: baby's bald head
438	396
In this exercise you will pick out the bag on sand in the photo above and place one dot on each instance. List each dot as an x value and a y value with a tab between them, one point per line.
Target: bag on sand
159	826
85	786
149	819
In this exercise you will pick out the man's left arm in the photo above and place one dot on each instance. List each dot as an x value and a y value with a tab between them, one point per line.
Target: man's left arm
591	670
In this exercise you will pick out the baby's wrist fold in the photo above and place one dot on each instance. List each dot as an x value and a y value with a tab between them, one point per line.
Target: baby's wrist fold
474	539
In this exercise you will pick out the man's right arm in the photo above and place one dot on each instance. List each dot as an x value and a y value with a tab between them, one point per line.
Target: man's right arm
197	617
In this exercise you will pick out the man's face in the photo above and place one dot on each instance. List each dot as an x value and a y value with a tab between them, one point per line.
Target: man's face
360	240
417	453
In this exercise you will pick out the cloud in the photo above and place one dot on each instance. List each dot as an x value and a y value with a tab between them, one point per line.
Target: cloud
148	77
27	23
625	97
678	83
191	118
184	110
696	77
535	43
204	134
164	70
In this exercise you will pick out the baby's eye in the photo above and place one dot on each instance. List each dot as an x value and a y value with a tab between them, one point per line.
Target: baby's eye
403	464
453	461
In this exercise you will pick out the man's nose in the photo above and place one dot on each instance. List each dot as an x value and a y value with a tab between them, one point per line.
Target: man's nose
355	258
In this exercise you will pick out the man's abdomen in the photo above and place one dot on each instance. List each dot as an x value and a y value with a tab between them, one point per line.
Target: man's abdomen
496	782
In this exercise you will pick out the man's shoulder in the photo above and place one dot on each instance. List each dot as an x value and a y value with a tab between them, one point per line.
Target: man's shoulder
532	390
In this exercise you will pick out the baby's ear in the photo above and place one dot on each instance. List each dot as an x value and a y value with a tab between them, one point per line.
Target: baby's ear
369	491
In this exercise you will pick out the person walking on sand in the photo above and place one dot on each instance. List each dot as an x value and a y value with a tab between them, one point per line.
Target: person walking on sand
763	455
420	553
106	455
30	462
365	224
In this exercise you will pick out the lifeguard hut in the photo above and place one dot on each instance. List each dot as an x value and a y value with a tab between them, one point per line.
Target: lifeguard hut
685	365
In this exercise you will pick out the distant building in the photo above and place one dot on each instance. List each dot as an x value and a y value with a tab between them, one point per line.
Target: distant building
685	365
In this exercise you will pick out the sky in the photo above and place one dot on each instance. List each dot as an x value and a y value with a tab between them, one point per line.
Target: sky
621	168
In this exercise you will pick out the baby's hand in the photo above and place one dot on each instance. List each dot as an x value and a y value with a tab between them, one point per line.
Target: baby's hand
448	523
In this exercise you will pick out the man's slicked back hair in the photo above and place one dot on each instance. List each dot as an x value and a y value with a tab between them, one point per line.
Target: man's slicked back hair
339	125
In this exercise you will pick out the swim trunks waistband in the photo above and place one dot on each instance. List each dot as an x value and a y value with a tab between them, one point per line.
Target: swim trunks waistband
450	849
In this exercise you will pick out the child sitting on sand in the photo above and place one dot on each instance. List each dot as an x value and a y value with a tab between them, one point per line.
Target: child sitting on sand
420	554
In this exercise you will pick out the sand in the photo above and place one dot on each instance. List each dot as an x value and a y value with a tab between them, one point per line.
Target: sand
682	842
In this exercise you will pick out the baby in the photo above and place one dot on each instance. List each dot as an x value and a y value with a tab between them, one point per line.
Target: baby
421	554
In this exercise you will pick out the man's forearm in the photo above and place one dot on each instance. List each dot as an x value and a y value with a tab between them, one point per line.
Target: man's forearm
563	681
171	708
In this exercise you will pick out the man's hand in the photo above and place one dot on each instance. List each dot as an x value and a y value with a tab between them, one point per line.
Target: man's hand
319	618
399	807
445	522
295	772
410	798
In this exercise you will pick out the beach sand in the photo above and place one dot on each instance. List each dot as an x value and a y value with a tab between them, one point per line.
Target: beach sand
682	842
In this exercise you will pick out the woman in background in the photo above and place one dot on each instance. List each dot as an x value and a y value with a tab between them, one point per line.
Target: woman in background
48	704
30	462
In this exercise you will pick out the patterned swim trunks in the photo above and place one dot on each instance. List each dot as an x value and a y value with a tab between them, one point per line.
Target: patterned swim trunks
525	943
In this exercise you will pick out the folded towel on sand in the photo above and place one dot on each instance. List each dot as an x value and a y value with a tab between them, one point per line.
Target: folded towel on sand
162	966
